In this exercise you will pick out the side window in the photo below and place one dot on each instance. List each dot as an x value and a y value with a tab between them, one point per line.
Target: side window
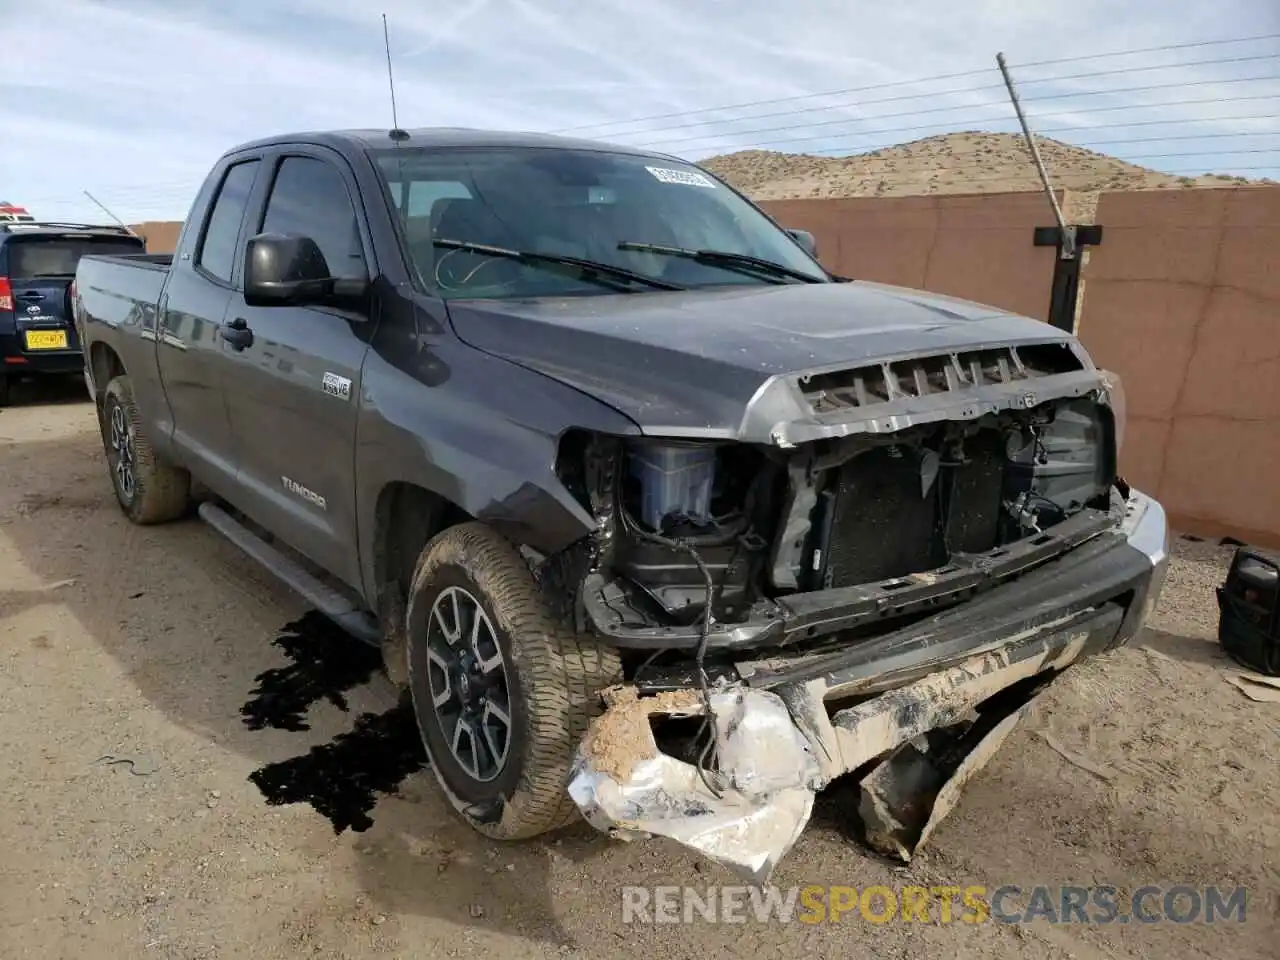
218	247
309	199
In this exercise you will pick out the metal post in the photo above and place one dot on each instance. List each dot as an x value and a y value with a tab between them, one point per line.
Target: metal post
1068	233
103	208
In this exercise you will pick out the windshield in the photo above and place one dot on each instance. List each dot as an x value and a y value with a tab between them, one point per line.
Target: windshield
574	203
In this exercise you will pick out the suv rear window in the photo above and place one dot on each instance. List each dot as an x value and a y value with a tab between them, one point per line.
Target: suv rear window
31	257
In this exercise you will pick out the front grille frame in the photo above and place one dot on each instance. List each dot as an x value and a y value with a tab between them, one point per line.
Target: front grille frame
953	375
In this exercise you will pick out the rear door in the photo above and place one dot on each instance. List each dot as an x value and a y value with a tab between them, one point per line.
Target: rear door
191	354
37	267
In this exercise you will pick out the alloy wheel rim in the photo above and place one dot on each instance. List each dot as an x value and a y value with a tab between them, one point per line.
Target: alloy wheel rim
468	683
122	452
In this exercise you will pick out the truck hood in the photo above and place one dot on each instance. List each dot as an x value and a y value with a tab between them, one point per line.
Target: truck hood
692	363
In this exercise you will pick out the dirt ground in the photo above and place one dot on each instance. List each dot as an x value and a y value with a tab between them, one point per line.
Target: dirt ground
158	691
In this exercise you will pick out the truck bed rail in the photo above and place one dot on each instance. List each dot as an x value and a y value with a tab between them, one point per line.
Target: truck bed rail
21	225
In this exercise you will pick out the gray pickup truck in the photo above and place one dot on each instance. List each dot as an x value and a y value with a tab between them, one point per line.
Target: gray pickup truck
656	519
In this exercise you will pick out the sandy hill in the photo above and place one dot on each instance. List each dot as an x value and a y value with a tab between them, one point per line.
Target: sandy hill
972	162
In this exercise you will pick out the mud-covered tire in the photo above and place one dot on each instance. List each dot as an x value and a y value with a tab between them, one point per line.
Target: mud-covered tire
158	491
554	680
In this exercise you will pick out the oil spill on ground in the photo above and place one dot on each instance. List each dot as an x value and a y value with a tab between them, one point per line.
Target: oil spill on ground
327	662
341	779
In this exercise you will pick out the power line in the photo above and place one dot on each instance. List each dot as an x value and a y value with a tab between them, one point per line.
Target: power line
982	166
1160	49
1028	175
1125	124
1022	163
764	103
1005	119
166	192
943	163
1189	136
149	199
988	87
951	108
901	83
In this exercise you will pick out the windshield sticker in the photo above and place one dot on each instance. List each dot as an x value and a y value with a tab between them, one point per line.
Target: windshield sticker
690	178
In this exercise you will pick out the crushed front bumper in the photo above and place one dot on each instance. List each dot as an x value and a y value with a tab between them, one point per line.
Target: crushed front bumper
926	704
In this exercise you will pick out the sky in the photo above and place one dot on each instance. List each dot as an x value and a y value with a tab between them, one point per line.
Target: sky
133	100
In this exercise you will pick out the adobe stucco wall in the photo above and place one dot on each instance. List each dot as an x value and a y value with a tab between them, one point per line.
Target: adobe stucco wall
977	247
161	235
1183	301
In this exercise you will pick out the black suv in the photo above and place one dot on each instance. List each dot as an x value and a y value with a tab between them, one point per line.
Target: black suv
37	267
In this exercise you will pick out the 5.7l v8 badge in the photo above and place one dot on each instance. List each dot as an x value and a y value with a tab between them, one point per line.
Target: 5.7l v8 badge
336	386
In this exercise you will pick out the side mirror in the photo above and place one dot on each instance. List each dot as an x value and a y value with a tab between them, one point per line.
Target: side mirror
806	240
282	270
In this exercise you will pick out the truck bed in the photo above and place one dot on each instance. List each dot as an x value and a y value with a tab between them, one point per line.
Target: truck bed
122	289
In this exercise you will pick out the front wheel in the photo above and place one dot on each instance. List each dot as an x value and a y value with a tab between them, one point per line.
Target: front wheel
502	691
148	489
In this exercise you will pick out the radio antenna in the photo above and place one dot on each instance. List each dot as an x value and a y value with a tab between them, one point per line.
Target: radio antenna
396	133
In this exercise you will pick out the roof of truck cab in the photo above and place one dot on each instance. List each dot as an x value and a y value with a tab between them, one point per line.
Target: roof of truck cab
379	139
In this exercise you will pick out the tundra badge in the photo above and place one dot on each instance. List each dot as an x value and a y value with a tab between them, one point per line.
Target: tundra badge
336	386
298	490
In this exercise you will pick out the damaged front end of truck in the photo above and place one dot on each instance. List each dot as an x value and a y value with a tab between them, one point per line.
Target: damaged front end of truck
876	574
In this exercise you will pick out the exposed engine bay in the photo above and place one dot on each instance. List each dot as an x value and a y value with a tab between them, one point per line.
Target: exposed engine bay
685	524
841	598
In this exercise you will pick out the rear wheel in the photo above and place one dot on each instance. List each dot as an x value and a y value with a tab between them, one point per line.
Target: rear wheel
502	691
4	390
148	489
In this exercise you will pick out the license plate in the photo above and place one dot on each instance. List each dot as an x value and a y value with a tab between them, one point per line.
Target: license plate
46	339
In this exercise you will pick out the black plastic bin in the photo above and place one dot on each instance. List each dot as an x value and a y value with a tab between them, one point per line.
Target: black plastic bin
1249	611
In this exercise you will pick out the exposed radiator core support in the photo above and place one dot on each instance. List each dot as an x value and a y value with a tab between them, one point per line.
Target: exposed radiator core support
883	524
900	508
974	496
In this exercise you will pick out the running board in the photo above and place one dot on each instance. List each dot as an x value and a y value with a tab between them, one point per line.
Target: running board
324	598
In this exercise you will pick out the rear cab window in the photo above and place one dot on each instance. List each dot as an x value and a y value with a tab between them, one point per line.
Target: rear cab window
217	254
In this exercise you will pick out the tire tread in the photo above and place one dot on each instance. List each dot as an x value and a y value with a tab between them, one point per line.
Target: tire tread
564	674
163	490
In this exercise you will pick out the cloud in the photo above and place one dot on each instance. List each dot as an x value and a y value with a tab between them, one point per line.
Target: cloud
134	100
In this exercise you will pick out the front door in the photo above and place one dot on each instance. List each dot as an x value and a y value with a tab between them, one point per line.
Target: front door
294	390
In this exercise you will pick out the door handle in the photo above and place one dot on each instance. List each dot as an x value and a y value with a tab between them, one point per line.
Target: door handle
31	296
237	333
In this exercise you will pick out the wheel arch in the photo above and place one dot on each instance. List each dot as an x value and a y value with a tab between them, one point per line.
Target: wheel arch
406	515
105	365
